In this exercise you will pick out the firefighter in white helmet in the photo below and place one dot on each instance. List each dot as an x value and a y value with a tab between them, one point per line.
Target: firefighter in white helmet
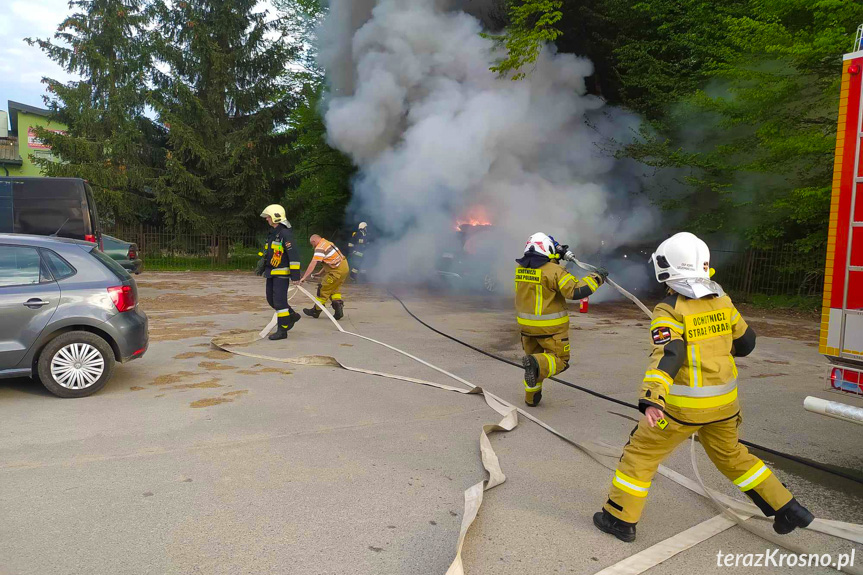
357	247
542	287
690	386
280	263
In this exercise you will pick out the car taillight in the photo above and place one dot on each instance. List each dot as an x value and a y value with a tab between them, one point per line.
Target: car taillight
123	297
90	238
132	253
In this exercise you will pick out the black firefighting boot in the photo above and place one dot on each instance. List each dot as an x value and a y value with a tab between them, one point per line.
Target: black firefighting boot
791	516
610	524
532	389
293	319
280	333
338	309
314	312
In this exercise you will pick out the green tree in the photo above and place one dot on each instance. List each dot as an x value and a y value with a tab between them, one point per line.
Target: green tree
532	25
221	91
319	187
109	140
322	176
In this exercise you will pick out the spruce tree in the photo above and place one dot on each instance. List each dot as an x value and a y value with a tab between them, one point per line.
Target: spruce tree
220	90
109	141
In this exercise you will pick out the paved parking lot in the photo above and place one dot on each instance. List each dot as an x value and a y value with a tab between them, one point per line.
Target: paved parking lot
193	460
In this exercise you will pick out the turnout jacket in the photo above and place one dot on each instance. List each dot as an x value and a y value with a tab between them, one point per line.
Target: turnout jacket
691	375
541	293
281	258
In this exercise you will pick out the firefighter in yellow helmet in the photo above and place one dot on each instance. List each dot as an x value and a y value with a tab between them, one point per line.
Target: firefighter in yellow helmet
542	287
691	386
280	263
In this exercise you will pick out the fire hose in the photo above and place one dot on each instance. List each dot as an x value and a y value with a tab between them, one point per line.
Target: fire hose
599	452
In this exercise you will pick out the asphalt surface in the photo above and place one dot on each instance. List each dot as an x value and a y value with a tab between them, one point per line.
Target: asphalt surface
196	461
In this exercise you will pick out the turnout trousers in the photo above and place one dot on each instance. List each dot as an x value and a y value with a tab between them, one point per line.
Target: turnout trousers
649	446
277	297
331	285
551	353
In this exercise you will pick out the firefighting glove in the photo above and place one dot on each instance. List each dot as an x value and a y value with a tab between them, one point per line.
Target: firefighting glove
259	267
602	274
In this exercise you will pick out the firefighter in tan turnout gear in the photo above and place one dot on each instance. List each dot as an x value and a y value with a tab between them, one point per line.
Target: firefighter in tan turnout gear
542	287
337	271
691	386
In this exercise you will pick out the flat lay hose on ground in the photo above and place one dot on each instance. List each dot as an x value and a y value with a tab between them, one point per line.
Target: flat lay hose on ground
604	454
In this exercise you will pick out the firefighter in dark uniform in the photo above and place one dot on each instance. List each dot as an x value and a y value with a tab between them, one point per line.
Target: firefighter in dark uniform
542	287
357	247
690	386
280	263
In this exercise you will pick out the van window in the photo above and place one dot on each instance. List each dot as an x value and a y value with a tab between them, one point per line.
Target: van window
46	206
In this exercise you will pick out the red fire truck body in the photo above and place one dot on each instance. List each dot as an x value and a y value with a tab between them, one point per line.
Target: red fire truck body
841	339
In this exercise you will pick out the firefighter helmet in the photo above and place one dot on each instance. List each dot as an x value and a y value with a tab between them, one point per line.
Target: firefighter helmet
362	225
682	256
276	213
539	243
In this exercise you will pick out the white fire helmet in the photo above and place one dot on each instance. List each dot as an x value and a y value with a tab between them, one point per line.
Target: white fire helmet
362	225
276	213
541	244
680	257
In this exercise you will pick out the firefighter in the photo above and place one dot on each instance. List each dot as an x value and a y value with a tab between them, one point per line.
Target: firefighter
337	270
542	287
691	386
280	263
357	246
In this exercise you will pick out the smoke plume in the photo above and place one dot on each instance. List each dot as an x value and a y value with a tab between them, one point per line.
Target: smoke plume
439	139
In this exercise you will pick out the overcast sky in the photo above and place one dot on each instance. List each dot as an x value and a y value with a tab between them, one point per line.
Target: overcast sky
22	67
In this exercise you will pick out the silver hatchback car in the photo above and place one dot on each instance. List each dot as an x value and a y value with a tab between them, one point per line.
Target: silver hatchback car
68	313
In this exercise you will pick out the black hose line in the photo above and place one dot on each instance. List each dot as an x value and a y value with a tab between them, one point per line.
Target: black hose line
813	464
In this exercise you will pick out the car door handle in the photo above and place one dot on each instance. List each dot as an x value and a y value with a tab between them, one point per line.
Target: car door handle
35	303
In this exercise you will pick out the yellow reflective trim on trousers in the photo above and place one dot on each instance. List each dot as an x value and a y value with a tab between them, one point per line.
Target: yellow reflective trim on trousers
590	282
280	272
565	280
629	485
754	477
543	322
336	296
552	365
284	313
528	388
694	356
702	402
666	322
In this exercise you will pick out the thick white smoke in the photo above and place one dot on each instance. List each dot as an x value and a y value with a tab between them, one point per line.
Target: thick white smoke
439	138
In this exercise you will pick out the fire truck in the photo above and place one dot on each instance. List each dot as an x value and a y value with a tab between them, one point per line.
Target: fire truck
841	338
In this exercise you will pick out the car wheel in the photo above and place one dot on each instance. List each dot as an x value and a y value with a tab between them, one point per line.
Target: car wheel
76	364
489	282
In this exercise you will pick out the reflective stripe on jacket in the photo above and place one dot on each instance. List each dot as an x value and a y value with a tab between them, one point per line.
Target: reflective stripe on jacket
691	373
281	257
541	294
327	252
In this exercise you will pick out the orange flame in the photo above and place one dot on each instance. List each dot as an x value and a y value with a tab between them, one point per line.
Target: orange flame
475	216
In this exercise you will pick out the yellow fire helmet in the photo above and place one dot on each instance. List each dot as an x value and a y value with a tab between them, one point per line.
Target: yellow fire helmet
276	213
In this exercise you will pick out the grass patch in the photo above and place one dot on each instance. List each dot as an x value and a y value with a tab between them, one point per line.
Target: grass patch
809	303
